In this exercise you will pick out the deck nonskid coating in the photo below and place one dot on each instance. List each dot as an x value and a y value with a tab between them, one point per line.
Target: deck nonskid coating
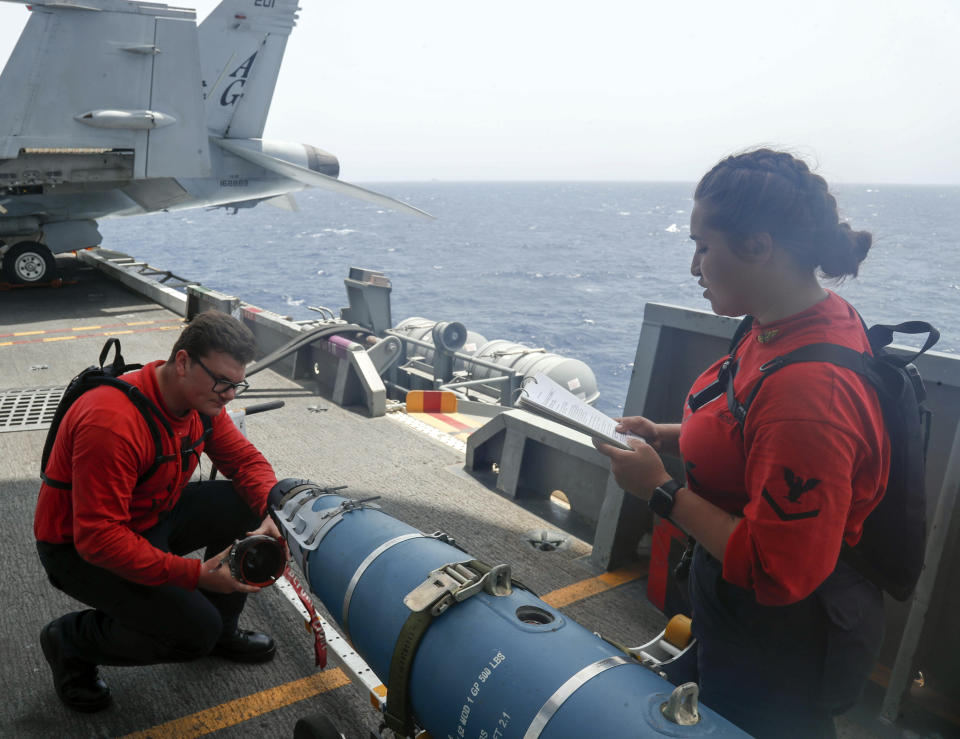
419	479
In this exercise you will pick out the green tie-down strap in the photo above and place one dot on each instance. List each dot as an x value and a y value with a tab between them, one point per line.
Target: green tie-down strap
443	588
397	714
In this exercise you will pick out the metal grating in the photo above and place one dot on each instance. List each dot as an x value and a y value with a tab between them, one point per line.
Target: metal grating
28	410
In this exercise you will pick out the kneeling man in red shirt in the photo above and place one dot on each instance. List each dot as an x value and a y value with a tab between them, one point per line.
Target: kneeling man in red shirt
114	520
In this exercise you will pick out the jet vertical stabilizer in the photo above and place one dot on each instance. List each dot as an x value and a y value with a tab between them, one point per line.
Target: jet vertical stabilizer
241	48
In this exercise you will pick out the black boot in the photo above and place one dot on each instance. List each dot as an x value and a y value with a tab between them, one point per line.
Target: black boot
76	682
242	645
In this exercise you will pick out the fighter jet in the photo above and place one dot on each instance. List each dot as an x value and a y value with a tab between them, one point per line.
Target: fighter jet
118	107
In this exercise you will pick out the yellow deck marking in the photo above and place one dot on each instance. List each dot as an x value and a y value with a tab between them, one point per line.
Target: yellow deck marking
585	588
243	709
378	695
83	332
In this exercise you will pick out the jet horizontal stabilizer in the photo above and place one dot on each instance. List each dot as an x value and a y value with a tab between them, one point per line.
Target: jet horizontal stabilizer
311	178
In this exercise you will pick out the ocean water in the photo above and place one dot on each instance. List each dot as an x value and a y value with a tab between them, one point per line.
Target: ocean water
563	266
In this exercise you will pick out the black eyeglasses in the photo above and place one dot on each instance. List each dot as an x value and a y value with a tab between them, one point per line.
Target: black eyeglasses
221	385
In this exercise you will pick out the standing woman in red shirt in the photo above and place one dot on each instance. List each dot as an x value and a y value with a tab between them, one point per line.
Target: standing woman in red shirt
787	632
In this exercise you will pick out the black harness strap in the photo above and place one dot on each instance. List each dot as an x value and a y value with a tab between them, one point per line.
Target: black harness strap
151	414
841	356
902	397
882	334
727	370
188	447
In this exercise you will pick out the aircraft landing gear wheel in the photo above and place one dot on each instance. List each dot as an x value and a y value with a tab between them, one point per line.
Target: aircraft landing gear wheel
316	727
29	262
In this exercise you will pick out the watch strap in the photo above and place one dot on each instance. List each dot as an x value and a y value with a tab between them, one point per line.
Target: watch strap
663	498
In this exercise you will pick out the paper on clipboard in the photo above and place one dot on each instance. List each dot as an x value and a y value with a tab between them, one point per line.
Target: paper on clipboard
546	397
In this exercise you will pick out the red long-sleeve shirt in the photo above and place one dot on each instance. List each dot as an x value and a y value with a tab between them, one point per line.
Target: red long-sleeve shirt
811	463
102	447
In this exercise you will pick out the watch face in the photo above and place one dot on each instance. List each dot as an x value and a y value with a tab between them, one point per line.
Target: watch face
661	501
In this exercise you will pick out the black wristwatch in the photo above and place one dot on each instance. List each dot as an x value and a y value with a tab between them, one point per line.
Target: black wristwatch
663	497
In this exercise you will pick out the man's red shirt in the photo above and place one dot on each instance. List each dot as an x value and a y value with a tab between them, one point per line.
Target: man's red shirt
103	446
810	464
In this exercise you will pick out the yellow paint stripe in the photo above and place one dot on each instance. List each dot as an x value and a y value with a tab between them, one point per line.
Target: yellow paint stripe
138	323
29	333
60	338
6	343
243	709
86	328
249	707
585	588
116	333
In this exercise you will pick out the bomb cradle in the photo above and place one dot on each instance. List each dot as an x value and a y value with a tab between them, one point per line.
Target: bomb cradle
466	651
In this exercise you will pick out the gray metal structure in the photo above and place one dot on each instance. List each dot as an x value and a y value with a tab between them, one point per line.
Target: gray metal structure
419	479
120	107
444	355
527	457
675	345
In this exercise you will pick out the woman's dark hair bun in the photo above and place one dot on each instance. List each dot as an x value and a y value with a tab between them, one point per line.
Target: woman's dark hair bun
841	255
774	192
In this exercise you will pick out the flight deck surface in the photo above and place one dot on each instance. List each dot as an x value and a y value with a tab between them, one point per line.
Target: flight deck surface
48	334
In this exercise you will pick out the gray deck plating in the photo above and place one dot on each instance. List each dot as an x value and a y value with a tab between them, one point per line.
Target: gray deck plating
420	482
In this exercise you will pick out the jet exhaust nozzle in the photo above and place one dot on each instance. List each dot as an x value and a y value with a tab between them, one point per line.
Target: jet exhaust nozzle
322	161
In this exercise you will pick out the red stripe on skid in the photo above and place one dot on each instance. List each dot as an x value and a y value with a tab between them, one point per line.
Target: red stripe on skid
458	425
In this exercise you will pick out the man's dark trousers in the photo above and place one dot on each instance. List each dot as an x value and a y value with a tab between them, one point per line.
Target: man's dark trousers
131	624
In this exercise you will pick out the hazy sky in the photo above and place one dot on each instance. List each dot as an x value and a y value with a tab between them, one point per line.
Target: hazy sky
616	89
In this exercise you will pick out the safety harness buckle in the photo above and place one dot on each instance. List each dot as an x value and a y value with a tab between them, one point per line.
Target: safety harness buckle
454	583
